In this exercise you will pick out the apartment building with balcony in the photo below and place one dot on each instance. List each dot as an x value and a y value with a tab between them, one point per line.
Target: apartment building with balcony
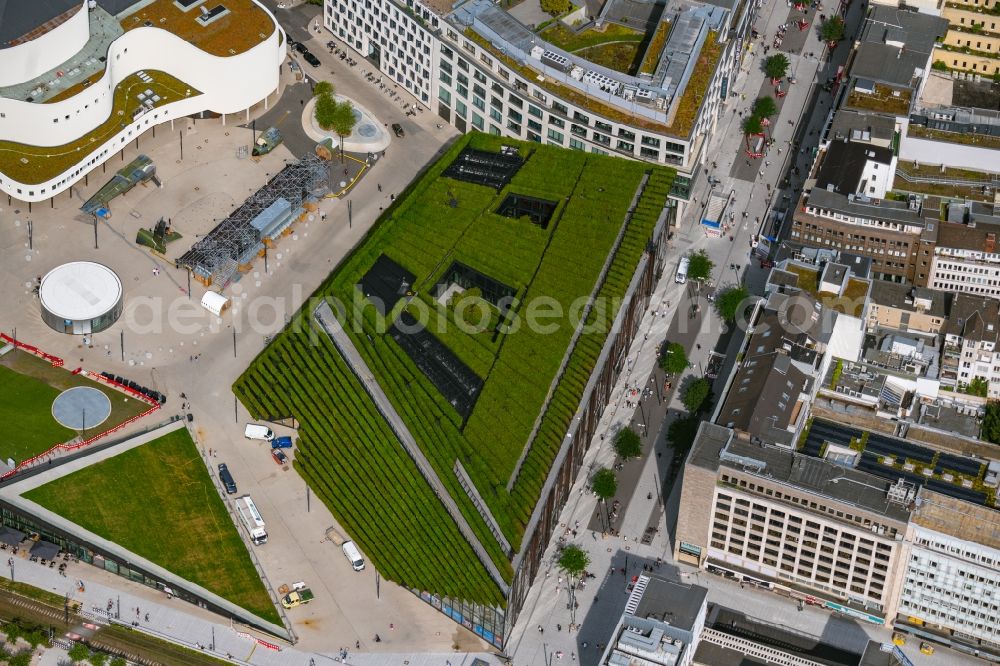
807	528
972	43
951	584
970	345
481	69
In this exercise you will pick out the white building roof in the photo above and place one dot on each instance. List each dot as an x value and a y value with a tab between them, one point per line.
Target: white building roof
80	290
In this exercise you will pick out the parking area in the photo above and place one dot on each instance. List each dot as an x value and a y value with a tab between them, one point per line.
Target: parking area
166	341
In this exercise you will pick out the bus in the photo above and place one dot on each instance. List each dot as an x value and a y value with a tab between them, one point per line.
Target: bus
250	517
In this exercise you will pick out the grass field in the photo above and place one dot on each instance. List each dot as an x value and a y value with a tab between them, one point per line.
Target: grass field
435	222
158	501
28	385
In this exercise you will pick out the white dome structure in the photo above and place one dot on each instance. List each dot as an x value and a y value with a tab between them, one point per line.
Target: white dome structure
80	297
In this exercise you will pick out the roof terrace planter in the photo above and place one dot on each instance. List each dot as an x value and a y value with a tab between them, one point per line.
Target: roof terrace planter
235	28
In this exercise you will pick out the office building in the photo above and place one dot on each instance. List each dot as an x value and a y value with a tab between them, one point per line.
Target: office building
479	68
970	345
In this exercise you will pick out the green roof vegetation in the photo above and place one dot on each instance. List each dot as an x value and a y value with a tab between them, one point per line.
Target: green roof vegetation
808	277
655	48
28	385
158	501
965	138
37	164
697	87
620	56
559	35
345	448
883	100
852	301
76	87
245	26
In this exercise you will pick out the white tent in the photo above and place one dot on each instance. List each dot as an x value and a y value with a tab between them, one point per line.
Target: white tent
214	302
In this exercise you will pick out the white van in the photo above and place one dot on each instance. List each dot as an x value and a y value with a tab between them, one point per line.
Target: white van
255	431
353	555
682	271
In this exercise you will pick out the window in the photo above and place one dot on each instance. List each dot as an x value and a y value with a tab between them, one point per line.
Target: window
556	122
477	121
626	146
460	108
535	111
444	95
495	115
556	136
560	108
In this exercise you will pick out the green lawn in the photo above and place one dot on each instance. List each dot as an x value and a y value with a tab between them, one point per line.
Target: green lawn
158	501
345	447
559	35
26	403
619	56
28	385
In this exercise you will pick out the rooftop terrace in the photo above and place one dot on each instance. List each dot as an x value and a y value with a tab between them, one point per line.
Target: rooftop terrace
243	27
37	164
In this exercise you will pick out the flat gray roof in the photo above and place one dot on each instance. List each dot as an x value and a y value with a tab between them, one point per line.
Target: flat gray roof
903	297
896	211
19	17
889	62
810	474
673	603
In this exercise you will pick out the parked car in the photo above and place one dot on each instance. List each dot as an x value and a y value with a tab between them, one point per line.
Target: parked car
227	479
311	59
300	47
257	431
283	442
279	456
397	129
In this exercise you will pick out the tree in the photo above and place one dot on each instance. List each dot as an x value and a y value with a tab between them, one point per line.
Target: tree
765	107
776	66
627	444
696	395
751	127
79	652
343	123
730	302
978	386
322	88
681	433
97	658
673	359
991	423
325	110
700	266
22	658
604	483
832	30
118	661
555	7
573	561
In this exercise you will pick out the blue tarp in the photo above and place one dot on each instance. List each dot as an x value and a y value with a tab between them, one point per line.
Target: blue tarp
271	218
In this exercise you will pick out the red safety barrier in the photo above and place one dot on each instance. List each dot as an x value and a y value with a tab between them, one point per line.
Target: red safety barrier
66	446
54	360
270	646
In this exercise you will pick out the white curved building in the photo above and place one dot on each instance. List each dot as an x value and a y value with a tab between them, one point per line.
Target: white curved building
77	83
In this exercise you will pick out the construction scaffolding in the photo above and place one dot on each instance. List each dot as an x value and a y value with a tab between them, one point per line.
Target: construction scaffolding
235	242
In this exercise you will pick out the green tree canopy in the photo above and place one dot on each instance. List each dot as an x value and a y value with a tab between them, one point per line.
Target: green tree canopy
79	652
682	431
729	302
22	658
978	386
325	111
700	267
604	484
673	358
118	661
322	88
573	561
627	444
555	7
696	394
832	29
97	658
777	66
752	125
765	107
991	423
343	122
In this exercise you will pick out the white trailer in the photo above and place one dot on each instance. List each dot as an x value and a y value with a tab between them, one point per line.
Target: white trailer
250	517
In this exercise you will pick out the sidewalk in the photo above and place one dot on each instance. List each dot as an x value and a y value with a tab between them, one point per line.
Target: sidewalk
151	612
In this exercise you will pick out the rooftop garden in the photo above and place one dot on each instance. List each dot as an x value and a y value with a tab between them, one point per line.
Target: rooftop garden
851	302
558	34
437	222
697	87
158	501
965	138
883	99
655	48
80	86
620	56
245	26
28	385
36	164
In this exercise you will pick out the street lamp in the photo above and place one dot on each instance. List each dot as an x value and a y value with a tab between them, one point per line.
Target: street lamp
659	398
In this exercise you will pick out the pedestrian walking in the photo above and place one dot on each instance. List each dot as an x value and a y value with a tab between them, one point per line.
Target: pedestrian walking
380	187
